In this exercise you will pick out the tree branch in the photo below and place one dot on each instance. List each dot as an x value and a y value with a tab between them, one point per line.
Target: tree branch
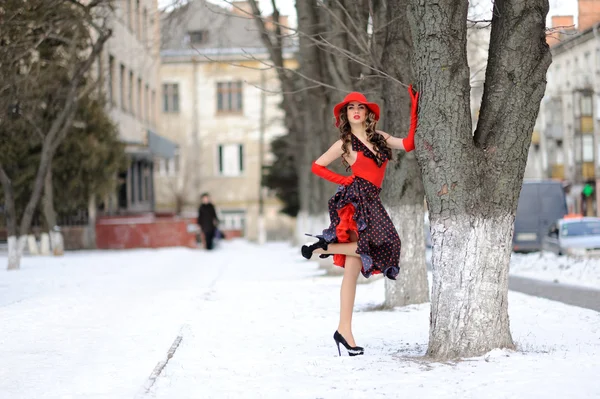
515	77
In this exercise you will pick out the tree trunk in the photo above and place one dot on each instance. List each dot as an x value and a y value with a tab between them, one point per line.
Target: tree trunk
402	191
411	285
16	247
472	183
92	216
48	201
469	307
14	258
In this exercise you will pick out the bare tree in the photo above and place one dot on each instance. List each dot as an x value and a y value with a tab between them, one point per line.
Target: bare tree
472	181
403	192
45	41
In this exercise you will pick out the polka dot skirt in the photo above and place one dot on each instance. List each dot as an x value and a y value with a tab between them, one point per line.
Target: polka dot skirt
358	208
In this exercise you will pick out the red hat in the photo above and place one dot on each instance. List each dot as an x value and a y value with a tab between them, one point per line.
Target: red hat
354	96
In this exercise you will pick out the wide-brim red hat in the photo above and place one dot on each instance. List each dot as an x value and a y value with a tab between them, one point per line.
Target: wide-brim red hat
354	96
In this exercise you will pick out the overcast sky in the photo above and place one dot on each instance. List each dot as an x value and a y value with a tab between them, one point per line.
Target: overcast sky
288	7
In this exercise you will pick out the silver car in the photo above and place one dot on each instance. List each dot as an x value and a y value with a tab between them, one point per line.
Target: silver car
574	236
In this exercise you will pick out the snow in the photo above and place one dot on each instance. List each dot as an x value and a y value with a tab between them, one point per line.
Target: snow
256	322
548	266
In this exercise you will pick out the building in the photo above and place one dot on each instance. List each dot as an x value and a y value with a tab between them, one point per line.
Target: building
129	66
220	102
478	41
569	113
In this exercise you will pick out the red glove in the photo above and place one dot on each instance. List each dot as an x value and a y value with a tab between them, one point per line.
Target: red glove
409	142
333	177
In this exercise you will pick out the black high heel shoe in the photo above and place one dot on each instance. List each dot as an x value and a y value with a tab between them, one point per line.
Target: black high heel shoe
352	350
307	250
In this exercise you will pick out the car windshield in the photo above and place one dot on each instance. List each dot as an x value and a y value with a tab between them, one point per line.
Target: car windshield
580	229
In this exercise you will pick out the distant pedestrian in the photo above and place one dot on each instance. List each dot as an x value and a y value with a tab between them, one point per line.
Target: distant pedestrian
207	220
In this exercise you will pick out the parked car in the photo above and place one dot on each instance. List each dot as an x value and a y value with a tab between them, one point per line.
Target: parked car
575	236
541	203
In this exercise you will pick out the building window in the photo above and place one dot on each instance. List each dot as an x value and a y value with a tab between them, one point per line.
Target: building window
122	88
138	15
130	93
231	159
139	98
170	97
153	107
232	220
229	97
128	15
198	36
145	27
111	79
147	103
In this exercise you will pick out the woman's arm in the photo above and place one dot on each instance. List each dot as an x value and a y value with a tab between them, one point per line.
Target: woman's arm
333	153
319	166
408	143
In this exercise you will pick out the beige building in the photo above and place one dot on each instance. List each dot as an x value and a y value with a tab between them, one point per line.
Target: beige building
130	69
569	114
221	104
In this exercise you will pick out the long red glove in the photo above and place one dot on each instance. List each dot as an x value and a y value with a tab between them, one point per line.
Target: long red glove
331	176
409	142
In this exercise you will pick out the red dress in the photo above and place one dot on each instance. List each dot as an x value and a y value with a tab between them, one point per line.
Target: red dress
357	207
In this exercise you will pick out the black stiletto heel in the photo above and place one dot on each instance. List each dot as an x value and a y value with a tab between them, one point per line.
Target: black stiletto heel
352	350
307	250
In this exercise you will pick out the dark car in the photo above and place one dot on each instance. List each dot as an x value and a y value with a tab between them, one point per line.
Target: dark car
541	203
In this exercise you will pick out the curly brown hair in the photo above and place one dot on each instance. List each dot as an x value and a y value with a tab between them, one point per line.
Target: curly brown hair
378	141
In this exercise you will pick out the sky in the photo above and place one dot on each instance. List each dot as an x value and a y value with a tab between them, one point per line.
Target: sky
288	7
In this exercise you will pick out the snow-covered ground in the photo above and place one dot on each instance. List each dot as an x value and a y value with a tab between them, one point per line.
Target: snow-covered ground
559	269
549	267
256	322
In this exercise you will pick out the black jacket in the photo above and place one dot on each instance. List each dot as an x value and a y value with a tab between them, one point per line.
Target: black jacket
207	217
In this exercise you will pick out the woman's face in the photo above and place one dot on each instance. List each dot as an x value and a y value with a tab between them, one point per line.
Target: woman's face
357	112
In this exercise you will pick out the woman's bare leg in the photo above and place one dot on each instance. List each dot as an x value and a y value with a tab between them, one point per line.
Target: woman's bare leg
347	248
352	268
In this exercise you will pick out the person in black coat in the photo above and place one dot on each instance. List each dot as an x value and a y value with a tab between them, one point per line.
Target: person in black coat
207	220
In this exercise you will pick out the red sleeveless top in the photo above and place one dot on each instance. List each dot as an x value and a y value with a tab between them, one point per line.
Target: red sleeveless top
365	165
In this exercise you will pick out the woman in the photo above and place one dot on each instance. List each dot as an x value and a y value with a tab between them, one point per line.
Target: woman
361	236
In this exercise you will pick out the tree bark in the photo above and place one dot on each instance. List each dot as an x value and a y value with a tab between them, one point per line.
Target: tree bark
402	191
14	256
472	183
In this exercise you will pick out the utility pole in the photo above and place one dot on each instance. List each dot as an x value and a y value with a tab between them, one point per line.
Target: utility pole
262	234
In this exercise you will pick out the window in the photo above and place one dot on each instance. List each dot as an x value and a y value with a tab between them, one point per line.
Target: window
198	36
130	93
170	97
147	103
138	25
232	220
586	105
587	142
153	107
139	98
230	159
128	15
111	79
229	97
122	88
145	27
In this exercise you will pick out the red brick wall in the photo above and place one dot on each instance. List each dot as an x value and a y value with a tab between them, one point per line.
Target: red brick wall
116	233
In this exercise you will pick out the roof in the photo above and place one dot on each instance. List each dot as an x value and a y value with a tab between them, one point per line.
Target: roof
568	41
223	32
